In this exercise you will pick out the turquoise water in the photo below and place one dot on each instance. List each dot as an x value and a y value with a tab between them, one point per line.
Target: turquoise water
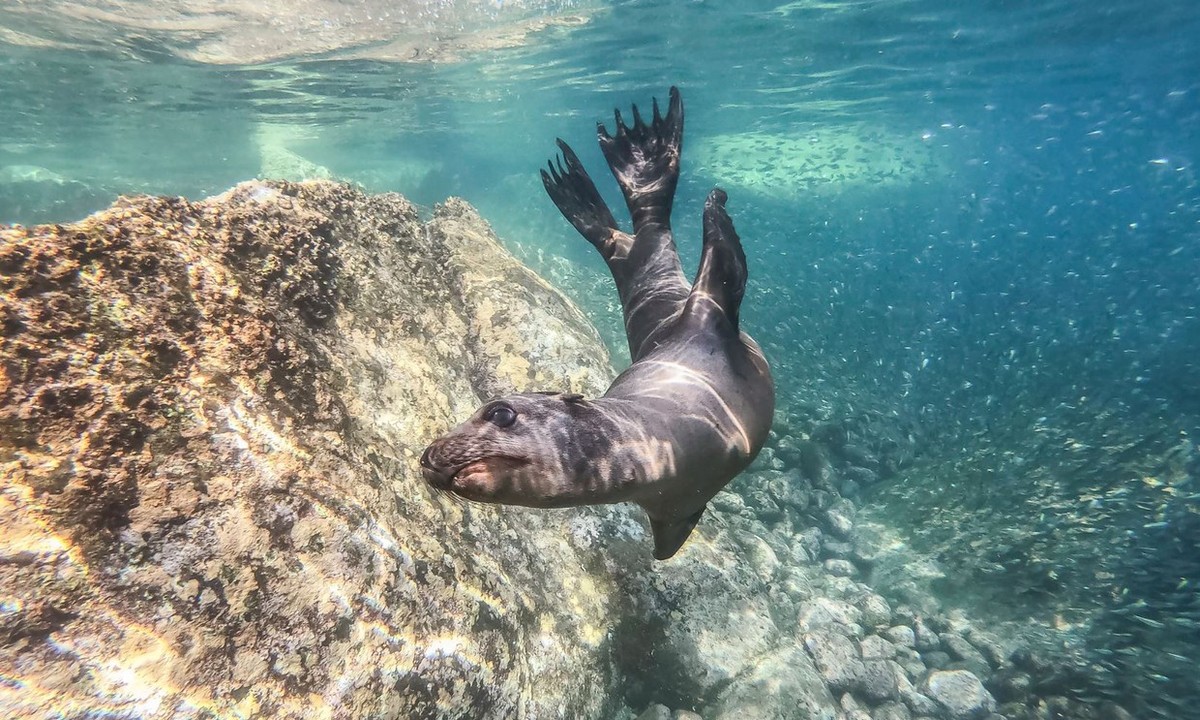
975	225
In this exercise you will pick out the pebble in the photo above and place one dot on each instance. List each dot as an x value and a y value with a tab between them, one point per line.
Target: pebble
836	549
960	693
879	679
810	540
656	712
685	715
1014	687
836	659
861	476
891	711
911	662
875	610
761	557
765	509
729	502
838	522
901	635
840	568
828	614
874	647
924	638
961	650
990	646
935	659
859	456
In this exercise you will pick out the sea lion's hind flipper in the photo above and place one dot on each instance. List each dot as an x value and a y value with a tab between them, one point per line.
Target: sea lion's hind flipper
577	198
645	160
722	276
670	536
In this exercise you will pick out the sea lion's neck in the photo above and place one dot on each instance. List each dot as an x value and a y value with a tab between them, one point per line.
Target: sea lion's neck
621	445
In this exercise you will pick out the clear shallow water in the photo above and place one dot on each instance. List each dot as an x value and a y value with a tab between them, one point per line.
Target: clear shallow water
979	219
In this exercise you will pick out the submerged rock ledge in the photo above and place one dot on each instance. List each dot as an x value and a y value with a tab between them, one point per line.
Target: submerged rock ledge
209	418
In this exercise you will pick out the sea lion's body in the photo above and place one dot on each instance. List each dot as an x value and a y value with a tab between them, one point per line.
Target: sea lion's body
690	412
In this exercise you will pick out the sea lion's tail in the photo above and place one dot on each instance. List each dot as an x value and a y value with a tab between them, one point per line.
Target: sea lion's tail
576	196
644	159
722	275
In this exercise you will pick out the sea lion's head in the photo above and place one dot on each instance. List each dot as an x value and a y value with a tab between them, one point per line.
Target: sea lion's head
521	449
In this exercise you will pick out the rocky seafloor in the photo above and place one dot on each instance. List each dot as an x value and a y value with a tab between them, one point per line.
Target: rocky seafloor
209	418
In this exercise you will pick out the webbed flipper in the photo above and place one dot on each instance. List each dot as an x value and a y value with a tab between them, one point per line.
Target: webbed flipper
576	196
721	280
644	159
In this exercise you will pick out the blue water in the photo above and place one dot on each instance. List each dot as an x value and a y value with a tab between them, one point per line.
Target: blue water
1013	256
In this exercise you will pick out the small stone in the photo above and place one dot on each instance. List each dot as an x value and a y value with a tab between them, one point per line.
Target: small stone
836	549
861	476
901	635
875	610
874	647
828	614
859	456
656	712
1013	688
892	711
840	568
924	636
729	502
765	509
878	679
963	651
935	659
913	667
991	647
836	659
904	615
838	522
960	693
810	540
922	705
959	648
760	556
685	715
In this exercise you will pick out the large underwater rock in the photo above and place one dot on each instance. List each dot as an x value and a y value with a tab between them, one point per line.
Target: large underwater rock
209	419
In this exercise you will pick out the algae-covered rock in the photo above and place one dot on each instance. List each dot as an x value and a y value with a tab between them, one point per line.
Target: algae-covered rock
209	418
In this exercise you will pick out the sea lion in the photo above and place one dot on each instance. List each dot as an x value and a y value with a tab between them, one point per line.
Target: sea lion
690	412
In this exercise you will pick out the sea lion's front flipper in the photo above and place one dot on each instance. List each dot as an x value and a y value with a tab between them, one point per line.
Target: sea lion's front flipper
721	281
576	196
645	161
670	536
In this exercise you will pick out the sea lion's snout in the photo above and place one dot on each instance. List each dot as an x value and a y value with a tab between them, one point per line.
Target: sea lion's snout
436	476
453	464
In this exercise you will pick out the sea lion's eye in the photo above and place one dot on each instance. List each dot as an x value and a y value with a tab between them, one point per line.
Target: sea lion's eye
500	415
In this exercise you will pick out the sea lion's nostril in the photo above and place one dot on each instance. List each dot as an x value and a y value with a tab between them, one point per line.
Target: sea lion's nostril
425	463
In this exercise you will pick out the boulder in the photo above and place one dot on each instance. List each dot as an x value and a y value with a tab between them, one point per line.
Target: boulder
210	414
783	685
960	693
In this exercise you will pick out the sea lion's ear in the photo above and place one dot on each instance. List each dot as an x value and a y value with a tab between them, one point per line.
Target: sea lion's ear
573	398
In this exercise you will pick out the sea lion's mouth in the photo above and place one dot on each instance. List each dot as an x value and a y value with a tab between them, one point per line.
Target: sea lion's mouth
488	466
474	473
